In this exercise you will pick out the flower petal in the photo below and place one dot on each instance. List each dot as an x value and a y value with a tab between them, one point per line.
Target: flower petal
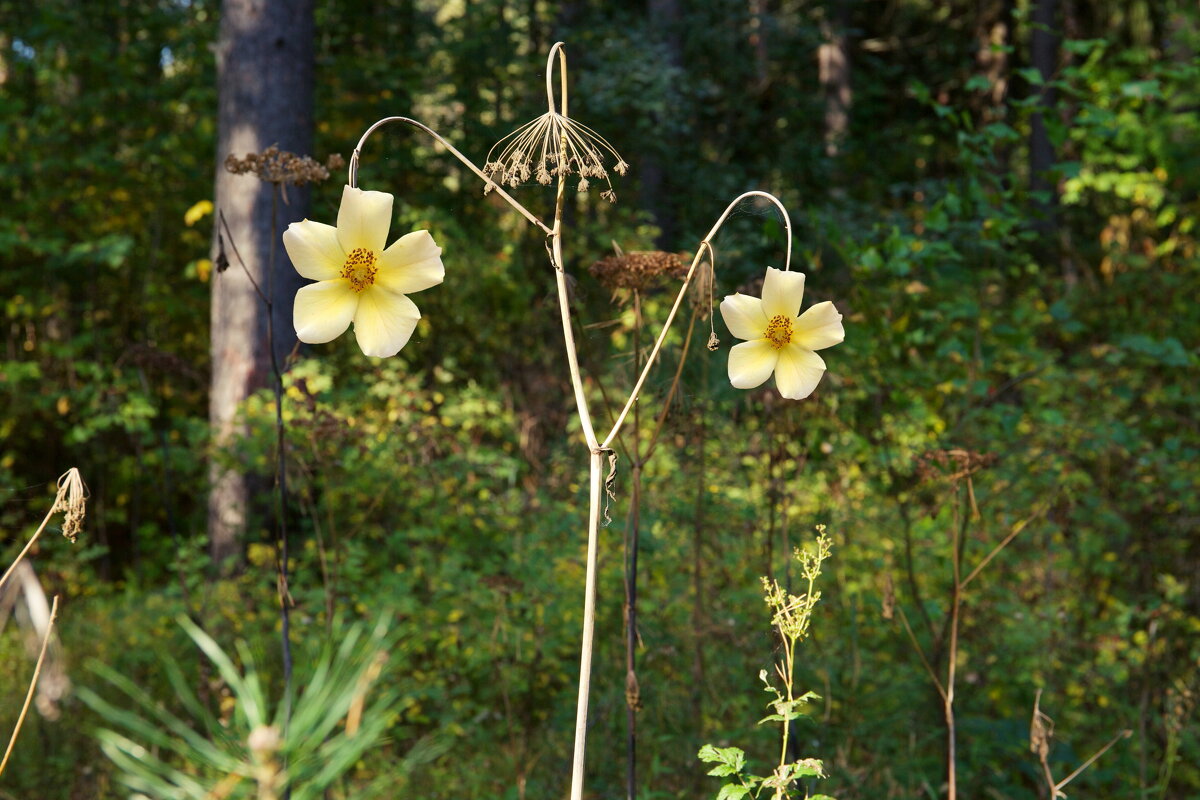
751	363
384	322
364	219
314	250
782	293
744	316
799	371
323	310
412	263
819	327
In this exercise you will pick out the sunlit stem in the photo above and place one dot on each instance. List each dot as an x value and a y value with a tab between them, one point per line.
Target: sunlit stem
556	254
589	619
353	172
687	281
37	671
560	50
578	759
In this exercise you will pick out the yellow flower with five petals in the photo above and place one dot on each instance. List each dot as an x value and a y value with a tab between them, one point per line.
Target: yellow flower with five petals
358	280
780	341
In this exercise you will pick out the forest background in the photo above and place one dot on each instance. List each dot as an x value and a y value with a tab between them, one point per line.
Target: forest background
1001	197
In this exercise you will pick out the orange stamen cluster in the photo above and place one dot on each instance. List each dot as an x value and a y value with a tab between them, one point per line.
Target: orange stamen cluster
360	268
779	331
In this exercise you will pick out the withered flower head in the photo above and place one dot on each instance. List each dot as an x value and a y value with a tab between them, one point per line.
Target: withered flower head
283	168
71	500
638	271
550	146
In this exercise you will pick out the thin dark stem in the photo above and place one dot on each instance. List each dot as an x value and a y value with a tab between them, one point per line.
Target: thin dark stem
698	679
910	571
662	415
632	689
281	484
962	519
233	246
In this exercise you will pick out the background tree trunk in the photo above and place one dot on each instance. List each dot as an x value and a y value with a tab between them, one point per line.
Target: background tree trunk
833	63
265	97
664	16
1043	47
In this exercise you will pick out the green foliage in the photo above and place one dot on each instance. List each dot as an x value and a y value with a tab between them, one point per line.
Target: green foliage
791	617
250	750
443	484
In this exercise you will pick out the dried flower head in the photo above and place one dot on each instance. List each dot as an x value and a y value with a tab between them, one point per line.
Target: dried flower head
552	146
71	500
283	168
1041	730
637	271
953	464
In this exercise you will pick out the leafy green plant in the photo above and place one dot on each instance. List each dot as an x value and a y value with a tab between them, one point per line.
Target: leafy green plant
249	751
791	618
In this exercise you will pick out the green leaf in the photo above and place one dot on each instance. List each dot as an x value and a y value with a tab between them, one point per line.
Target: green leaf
1032	75
732	791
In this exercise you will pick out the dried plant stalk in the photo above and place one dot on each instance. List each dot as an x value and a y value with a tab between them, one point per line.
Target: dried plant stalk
71	499
37	671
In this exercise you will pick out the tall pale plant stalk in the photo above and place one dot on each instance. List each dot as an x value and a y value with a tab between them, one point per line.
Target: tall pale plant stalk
33	682
599	449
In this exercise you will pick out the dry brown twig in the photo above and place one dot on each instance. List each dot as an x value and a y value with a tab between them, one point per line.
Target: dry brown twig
71	500
958	467
37	671
1041	731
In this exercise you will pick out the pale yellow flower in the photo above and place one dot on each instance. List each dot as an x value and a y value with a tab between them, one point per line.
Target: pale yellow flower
357	279
780	340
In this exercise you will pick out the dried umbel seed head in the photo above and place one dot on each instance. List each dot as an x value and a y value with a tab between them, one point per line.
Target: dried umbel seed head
953	464
283	168
550	147
638	271
71	501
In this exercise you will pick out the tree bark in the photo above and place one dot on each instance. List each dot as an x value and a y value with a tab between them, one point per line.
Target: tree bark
833	64
265	97
652	166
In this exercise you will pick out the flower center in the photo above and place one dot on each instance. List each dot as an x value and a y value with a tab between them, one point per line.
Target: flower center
360	268
779	331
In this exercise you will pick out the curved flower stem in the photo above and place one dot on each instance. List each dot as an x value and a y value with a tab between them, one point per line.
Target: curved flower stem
705	244
556	256
558	49
353	171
